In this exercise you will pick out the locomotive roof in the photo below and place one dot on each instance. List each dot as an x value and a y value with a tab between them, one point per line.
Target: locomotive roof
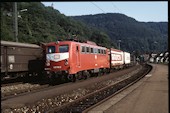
82	43
18	44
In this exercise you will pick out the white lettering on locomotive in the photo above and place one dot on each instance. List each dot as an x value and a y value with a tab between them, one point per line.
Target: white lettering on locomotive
56	57
56	67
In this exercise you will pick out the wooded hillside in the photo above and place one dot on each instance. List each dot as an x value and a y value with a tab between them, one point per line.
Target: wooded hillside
134	35
45	24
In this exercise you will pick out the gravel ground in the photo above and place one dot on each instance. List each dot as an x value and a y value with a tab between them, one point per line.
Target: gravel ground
57	101
19	87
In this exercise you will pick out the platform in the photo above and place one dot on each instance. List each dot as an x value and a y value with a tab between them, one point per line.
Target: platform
149	95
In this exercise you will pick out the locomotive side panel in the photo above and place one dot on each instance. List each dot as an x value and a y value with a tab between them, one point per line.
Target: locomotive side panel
74	58
102	58
87	57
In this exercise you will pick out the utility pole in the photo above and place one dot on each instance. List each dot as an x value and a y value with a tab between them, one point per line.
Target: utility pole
155	46
15	21
119	41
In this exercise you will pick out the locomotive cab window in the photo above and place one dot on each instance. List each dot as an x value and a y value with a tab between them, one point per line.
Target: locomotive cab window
99	51
77	48
63	48
87	49
91	50
104	51
82	49
95	50
51	49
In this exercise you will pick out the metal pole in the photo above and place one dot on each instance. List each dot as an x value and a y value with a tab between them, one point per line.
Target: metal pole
119	43
155	44
15	20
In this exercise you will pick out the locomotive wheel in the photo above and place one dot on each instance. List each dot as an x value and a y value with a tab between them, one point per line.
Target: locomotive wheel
100	74
84	77
108	70
96	74
52	80
74	78
64	78
79	75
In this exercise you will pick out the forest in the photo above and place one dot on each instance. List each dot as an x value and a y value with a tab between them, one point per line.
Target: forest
134	35
46	24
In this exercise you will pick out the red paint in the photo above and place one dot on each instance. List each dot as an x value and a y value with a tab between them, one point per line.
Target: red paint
79	61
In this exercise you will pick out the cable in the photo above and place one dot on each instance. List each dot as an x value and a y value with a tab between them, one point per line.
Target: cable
116	8
98	7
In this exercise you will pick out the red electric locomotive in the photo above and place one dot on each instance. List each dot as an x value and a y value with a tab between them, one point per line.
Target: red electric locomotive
71	59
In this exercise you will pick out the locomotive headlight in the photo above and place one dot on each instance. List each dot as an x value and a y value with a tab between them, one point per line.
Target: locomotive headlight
48	63
66	62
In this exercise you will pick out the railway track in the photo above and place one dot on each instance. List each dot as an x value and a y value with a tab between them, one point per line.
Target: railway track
17	88
20	86
85	103
73	97
11	84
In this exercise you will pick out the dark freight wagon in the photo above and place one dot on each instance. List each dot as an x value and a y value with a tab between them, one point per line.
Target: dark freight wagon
20	59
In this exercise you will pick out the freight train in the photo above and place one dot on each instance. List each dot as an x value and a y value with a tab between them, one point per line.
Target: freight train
77	60
60	60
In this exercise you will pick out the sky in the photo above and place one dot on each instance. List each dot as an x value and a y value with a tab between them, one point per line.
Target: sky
153	11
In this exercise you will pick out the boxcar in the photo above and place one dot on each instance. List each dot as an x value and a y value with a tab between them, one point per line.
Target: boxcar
18	59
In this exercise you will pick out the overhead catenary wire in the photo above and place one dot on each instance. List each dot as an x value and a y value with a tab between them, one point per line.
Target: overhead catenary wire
116	8
98	7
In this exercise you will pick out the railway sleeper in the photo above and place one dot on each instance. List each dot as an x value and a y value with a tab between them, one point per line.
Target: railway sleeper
89	100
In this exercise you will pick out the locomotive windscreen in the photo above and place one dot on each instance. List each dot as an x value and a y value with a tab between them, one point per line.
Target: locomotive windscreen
51	49
63	48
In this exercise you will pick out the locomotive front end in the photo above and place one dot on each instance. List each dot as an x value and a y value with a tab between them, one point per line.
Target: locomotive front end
57	59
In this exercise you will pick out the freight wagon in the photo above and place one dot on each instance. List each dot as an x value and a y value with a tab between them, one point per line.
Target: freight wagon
20	59
60	60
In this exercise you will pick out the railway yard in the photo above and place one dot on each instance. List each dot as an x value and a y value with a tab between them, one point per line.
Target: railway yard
75	77
81	96
58	64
